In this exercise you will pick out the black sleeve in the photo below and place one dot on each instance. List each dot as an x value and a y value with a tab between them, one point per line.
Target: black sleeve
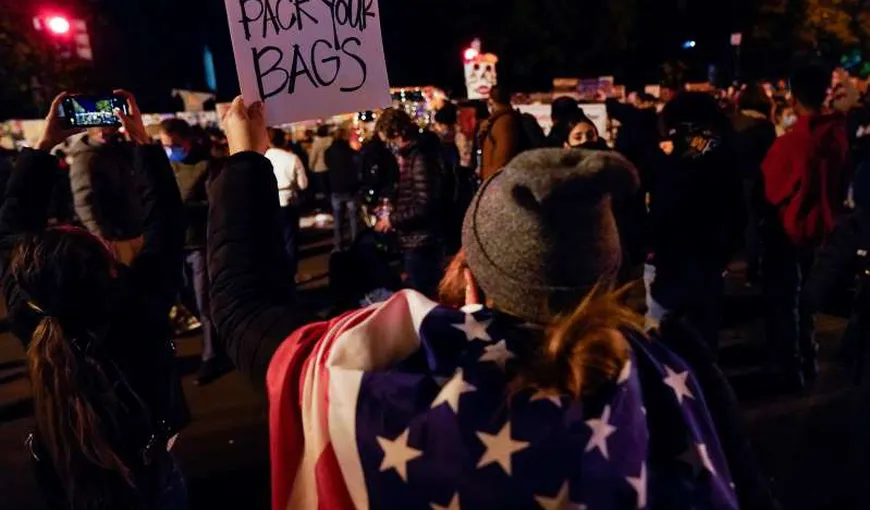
836	264
251	280
157	268
753	490
25	210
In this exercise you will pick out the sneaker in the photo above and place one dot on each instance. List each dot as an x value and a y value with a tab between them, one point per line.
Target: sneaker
211	370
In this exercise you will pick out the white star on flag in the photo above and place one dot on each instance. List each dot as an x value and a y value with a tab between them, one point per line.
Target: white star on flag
625	373
499	448
542	395
559	502
601	430
452	505
639	485
677	382
397	454
497	353
451	392
474	330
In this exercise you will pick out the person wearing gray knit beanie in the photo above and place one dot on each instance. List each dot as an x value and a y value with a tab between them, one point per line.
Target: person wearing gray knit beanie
542	232
532	393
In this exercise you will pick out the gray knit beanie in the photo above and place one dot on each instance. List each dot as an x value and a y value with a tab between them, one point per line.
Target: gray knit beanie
539	234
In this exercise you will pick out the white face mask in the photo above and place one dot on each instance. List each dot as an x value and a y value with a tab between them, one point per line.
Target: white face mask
789	121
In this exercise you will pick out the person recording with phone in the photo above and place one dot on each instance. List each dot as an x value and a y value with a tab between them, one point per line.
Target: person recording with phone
107	398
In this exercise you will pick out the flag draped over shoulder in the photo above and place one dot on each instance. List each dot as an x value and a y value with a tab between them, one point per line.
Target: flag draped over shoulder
404	405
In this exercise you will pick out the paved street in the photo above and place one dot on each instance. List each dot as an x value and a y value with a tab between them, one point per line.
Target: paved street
816	447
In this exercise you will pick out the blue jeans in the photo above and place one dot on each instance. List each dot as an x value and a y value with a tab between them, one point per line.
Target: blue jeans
341	201
196	287
423	267
290	224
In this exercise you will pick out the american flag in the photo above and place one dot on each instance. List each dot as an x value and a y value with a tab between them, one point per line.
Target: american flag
405	405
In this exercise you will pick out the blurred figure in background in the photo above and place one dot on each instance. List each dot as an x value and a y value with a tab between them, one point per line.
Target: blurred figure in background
104	193
807	173
344	180
696	215
755	134
500	134
317	160
292	181
191	163
562	111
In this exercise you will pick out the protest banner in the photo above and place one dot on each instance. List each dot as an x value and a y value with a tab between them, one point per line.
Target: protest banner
308	59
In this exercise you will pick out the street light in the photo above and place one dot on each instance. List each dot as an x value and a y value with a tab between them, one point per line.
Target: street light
471	54
689	45
58	25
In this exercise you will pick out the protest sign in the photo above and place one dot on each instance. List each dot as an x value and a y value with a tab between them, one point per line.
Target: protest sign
308	59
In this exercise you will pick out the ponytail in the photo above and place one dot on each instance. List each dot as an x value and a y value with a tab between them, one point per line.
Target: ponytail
584	350
68	387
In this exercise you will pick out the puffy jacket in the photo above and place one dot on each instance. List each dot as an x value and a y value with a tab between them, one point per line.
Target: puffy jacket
104	189
417	215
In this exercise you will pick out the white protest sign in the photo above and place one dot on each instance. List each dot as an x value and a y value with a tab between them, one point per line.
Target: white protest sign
308	59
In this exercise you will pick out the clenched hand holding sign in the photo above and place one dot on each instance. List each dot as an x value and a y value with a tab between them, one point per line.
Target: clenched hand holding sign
308	59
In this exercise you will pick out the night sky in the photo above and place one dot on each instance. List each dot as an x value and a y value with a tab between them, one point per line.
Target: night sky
151	46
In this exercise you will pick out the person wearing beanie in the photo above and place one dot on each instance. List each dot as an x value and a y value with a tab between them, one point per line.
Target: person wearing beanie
542	390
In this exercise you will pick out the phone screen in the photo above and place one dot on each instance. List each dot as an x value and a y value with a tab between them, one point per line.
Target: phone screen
92	111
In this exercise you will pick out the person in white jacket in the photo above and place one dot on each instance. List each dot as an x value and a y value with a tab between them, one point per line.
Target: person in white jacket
291	177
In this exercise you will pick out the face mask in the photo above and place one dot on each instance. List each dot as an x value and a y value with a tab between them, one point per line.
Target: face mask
789	121
596	145
175	153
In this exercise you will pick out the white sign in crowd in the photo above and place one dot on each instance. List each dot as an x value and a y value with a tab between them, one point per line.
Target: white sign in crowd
309	59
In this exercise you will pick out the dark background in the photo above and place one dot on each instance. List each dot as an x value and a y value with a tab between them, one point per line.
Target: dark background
152	46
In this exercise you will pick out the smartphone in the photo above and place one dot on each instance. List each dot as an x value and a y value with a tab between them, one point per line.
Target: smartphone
82	111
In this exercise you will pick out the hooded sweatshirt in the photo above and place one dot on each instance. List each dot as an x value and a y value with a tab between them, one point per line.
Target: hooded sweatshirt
806	176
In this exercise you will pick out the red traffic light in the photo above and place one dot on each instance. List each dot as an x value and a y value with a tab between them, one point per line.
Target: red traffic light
58	25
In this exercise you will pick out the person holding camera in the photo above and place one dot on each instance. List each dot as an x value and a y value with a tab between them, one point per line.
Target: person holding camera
107	398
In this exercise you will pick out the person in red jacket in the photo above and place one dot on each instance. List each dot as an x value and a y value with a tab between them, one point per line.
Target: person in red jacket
806	176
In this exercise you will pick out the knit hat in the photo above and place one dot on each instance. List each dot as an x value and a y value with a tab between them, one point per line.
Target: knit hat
539	234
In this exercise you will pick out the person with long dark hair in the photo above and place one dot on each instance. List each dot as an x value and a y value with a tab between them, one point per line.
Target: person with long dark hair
542	389
107	399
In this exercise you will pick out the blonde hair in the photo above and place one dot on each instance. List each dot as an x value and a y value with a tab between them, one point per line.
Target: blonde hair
582	350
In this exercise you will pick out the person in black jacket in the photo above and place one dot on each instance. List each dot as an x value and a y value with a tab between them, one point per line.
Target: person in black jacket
343	172
695	214
755	134
257	315
192	164
107	399
417	215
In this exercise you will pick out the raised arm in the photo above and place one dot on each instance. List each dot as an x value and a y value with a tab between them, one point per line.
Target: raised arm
251	281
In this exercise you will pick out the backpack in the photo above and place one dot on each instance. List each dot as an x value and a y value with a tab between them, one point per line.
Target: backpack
531	133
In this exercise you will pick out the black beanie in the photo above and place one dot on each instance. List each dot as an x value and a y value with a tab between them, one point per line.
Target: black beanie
541	233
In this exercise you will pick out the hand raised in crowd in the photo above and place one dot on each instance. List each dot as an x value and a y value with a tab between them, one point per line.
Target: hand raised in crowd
132	120
55	130
245	127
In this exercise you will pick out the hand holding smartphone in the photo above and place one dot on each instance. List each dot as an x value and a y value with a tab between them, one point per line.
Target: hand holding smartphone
84	111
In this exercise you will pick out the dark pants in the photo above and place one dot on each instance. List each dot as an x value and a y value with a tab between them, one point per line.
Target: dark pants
789	322
423	267
696	299
195	298
290	223
342	202
755	207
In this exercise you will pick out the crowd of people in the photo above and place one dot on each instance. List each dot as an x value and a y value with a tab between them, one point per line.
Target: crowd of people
504	364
